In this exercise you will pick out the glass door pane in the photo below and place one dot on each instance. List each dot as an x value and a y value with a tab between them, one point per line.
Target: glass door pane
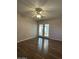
40	29
46	30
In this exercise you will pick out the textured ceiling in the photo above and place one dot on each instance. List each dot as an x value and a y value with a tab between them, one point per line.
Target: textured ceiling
51	8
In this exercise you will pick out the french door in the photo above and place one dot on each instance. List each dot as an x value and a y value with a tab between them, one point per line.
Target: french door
43	30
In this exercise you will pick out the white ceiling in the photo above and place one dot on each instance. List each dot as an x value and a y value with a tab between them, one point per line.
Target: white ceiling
52	8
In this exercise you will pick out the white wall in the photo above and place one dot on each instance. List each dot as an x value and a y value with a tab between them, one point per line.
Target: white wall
55	28
26	28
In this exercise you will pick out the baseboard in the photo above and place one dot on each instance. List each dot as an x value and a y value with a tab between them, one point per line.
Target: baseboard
56	40
25	39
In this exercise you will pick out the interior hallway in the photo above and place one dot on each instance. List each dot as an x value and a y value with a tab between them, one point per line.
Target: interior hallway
31	14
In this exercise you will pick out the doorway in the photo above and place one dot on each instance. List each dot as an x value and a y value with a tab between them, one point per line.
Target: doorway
43	30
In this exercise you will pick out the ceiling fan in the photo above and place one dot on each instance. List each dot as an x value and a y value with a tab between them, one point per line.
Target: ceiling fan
38	13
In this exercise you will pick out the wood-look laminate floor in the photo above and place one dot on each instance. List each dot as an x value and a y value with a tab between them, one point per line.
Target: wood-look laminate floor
39	48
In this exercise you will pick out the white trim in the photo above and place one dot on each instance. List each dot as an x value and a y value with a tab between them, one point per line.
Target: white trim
24	39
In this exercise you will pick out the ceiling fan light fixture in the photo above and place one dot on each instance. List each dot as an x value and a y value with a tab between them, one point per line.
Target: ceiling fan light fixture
38	12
